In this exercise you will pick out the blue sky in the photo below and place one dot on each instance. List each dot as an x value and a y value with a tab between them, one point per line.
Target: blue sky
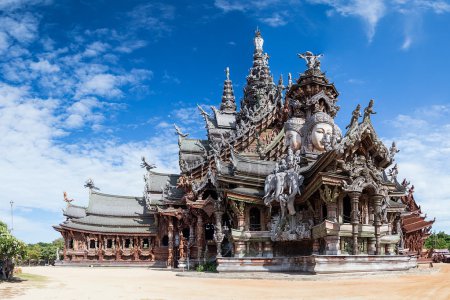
88	87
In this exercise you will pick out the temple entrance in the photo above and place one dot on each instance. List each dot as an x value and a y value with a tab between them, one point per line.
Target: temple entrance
298	248
209	232
347	210
255	219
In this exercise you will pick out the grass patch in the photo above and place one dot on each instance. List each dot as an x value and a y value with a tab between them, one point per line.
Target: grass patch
32	277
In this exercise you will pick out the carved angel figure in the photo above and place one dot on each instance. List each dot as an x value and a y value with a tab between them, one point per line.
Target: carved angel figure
356	114
369	110
393	150
312	61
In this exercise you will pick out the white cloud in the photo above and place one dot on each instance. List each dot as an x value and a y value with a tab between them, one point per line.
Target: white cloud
369	11
44	66
276	20
424	144
104	85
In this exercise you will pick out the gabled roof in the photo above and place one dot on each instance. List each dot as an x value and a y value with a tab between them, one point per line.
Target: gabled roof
74	211
114	205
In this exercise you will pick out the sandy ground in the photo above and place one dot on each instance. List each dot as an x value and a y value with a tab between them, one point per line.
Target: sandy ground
138	283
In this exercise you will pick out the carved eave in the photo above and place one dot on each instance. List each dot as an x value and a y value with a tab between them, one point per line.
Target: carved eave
206	205
363	139
172	212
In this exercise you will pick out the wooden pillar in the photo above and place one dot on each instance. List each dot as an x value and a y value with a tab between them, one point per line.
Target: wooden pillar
200	233
170	236
65	246
100	248
354	196
117	248
376	199
218	234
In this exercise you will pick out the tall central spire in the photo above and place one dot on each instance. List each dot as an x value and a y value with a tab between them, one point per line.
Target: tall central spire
259	79
228	100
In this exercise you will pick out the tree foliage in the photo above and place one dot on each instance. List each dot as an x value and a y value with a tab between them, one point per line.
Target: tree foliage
44	252
11	250
439	240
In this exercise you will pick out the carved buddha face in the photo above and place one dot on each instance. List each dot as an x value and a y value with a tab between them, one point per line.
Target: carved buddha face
318	132
293	139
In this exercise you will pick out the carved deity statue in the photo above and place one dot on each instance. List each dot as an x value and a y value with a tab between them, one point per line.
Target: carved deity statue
320	133
368	111
356	114
292	129
312	61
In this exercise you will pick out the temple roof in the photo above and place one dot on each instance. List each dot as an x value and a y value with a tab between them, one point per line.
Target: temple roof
114	205
159	180
74	211
110	214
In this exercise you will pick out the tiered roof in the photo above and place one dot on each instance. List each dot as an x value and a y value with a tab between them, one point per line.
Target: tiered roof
110	214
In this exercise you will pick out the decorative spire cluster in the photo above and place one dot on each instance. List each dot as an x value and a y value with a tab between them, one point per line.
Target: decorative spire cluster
259	80
228	99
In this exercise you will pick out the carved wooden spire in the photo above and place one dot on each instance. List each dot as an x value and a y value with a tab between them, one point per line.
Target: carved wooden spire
228	99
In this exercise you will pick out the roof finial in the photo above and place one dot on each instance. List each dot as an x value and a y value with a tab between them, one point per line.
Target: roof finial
289	80
228	99
258	41
227	72
90	184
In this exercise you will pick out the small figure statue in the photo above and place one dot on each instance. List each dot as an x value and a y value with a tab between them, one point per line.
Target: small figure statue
393	173
90	184
368	111
356	114
393	150
66	198
289	80
312	61
145	165
181	247
178	131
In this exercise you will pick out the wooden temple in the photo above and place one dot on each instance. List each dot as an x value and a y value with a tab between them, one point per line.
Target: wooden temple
276	186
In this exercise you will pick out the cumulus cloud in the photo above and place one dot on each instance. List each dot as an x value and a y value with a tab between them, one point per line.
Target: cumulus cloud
424	140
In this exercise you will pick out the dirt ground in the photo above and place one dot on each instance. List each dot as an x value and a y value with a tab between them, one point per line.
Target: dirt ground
140	283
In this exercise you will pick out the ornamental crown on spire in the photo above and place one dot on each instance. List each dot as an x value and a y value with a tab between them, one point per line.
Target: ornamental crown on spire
259	41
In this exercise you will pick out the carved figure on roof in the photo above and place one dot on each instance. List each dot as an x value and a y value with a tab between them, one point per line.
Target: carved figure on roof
292	129
312	61
369	111
393	173
178	131
66	199
356	114
90	184
393	150
146	165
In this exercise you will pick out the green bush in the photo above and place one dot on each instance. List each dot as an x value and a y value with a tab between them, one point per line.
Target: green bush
206	267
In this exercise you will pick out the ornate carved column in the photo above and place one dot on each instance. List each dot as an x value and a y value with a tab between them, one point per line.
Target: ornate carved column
376	199
117	248
218	234
200	231
100	248
170	236
66	240
354	196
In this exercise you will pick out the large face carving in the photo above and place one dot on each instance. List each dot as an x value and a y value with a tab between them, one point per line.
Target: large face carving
293	139
318	132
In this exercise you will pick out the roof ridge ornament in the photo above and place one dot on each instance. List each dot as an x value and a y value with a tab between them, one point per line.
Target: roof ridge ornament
369	111
146	165
312	61
66	198
179	132
90	184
